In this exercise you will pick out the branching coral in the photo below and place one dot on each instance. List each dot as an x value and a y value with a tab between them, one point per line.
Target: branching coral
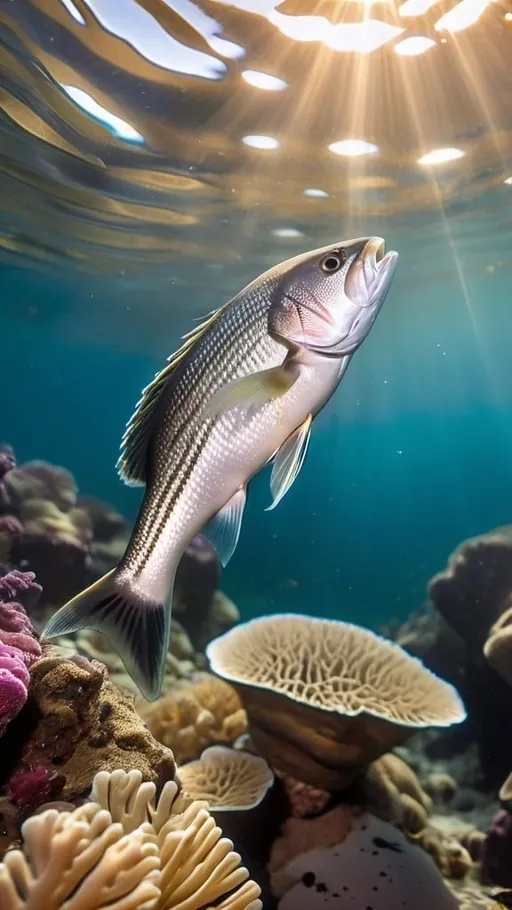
80	861
126	852
190	718
198	865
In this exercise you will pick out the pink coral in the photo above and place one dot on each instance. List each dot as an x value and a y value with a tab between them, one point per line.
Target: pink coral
33	784
16	630
14	680
19	585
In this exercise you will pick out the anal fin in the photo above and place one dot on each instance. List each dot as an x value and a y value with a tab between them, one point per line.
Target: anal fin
289	461
223	530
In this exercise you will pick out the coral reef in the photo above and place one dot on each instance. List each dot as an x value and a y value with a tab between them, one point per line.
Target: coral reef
183	663
55	537
16	630
473	591
368	696
450	856
395	794
505	793
74	723
287	747
190	718
19	645
85	723
497	851
227	779
123	851
303	799
426	634
467	638
14	680
498	646
298	835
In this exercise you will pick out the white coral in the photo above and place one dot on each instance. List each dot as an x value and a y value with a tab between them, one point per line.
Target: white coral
124	851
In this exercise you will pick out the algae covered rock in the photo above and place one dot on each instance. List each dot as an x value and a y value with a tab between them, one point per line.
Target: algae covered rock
76	723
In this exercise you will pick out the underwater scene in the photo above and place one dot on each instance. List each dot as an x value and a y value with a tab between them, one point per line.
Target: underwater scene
255	455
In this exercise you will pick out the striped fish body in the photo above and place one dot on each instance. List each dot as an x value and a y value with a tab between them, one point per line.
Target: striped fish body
241	391
197	465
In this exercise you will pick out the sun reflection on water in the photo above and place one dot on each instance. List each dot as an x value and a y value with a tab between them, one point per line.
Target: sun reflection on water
213	127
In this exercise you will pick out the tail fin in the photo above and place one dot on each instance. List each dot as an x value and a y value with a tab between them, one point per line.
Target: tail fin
137	627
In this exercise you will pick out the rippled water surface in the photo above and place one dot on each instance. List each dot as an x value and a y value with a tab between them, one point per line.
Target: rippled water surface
155	156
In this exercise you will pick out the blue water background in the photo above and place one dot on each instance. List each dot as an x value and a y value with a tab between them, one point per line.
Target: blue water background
413	454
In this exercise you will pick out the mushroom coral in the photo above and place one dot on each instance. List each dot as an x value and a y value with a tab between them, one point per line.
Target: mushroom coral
325	698
123	851
227	779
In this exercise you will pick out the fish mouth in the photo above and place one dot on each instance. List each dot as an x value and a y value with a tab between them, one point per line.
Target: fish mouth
378	269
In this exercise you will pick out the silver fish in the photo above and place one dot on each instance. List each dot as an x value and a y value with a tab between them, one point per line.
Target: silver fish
241	391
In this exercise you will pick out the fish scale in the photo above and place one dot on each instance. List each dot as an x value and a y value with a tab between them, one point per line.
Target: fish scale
241	391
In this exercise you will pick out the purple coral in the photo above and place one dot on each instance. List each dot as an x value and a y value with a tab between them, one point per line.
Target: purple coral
497	851
14	680
19	585
16	630
33	785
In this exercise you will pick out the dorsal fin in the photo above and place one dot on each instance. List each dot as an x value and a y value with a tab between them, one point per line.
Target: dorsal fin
131	464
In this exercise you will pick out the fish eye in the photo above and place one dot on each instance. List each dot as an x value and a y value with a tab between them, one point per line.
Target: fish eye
332	262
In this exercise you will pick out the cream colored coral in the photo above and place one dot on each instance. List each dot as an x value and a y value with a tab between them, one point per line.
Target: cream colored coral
227	779
334	666
190	718
123	851
198	865
80	860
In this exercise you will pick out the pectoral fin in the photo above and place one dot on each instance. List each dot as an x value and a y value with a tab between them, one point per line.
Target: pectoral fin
223	530
289	461
254	390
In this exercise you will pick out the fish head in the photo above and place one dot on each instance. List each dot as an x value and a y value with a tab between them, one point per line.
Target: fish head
328	300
